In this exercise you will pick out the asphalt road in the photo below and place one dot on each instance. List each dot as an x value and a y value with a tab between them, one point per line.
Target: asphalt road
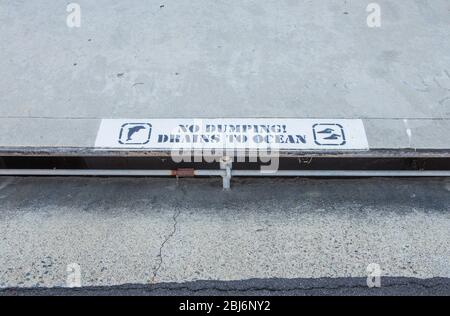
265	236
255	287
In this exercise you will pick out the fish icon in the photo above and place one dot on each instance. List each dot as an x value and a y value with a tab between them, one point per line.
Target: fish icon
329	134
135	133
332	137
326	131
133	130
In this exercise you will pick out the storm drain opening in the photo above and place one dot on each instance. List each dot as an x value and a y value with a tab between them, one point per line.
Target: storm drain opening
284	163
307	166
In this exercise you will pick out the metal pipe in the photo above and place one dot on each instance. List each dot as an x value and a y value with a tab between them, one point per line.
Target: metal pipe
342	173
234	173
84	172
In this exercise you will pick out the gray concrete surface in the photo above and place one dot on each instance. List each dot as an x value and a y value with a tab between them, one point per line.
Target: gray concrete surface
197	59
152	59
154	231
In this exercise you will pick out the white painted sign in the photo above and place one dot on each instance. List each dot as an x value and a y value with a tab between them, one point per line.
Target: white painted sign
239	133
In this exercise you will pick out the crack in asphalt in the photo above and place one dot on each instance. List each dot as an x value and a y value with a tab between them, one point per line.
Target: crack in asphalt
167	238
160	256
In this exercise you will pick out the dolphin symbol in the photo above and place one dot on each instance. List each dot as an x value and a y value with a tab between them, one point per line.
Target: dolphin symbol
134	130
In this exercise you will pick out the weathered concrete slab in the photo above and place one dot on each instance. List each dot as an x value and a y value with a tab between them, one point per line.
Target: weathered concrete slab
305	59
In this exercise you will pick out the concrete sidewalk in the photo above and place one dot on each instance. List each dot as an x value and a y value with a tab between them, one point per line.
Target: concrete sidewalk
192	59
